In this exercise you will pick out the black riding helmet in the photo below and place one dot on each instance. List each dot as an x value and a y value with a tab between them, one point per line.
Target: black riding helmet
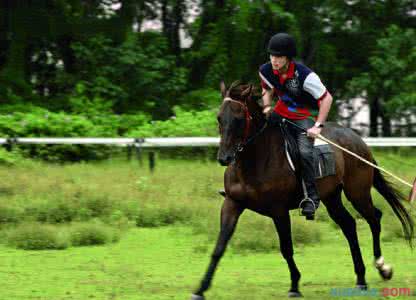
282	44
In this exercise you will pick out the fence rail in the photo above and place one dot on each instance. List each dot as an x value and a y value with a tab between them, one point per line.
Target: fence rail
179	141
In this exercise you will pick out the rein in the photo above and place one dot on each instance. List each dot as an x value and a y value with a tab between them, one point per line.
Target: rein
246	140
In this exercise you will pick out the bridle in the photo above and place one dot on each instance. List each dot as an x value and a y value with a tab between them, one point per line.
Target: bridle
246	140
247	116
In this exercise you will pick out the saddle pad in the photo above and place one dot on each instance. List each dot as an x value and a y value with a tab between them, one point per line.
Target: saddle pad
324	161
323	157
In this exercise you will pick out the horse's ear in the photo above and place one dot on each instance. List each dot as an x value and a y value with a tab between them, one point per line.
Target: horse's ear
223	89
247	91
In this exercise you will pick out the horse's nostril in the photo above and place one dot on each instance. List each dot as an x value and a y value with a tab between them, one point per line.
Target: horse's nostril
222	162
225	160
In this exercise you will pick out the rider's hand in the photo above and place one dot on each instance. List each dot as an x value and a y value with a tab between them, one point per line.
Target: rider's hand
314	131
267	110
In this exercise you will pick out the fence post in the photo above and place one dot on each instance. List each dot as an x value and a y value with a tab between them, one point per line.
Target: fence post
152	161
9	143
138	146
129	152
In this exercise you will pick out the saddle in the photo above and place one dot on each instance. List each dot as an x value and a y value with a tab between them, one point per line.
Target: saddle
323	157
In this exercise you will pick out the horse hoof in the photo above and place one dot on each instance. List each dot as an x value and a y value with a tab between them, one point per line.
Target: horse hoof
197	297
294	294
386	272
362	287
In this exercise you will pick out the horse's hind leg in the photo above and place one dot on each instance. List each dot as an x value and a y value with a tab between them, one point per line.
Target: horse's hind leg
286	248
362	202
342	217
230	213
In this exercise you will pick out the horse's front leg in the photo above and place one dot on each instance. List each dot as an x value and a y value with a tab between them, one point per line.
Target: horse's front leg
230	213
283	228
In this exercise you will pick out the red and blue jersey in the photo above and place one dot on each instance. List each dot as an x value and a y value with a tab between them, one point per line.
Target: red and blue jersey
299	92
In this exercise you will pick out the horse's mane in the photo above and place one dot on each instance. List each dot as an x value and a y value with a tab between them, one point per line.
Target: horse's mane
237	87
236	90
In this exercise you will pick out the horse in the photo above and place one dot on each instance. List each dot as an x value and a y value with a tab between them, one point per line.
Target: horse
258	177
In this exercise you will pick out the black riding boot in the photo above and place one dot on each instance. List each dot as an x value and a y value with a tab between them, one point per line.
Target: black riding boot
305	144
311	203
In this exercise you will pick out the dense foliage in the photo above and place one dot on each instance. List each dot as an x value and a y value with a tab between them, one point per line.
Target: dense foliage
79	68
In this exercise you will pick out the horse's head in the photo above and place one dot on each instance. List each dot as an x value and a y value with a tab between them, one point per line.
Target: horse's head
237	118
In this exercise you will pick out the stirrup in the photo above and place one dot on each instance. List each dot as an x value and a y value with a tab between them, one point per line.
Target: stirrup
306	199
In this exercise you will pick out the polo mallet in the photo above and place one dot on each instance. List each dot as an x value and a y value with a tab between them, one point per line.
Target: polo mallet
412	194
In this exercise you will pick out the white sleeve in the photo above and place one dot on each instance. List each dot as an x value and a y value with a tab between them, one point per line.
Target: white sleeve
314	86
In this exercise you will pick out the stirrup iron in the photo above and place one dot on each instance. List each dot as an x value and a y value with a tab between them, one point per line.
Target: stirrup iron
305	199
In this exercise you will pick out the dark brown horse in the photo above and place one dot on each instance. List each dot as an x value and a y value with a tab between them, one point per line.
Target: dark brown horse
259	178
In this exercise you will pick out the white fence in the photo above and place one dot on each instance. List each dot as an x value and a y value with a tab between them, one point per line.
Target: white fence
178	141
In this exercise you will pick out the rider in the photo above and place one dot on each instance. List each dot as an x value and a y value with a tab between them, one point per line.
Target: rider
302	98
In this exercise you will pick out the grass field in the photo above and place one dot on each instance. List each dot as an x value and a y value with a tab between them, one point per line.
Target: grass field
161	263
167	223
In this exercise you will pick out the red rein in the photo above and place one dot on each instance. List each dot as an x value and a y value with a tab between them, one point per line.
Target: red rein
248	117
248	125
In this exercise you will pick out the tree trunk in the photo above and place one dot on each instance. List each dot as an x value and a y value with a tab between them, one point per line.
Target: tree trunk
165	19
4	30
178	20
67	54
126	17
374	114
15	57
14	73
386	124
172	18
209	15
14	70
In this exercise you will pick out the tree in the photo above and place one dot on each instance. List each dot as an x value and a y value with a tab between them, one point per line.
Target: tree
138	75
230	40
34	30
389	83
354	27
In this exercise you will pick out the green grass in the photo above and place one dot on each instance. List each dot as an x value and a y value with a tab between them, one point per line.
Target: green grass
168	222
37	237
161	263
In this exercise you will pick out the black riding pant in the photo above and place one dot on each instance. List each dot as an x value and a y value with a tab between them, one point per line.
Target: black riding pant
305	145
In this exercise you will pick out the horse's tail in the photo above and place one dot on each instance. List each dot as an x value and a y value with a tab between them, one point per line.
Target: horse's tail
392	195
